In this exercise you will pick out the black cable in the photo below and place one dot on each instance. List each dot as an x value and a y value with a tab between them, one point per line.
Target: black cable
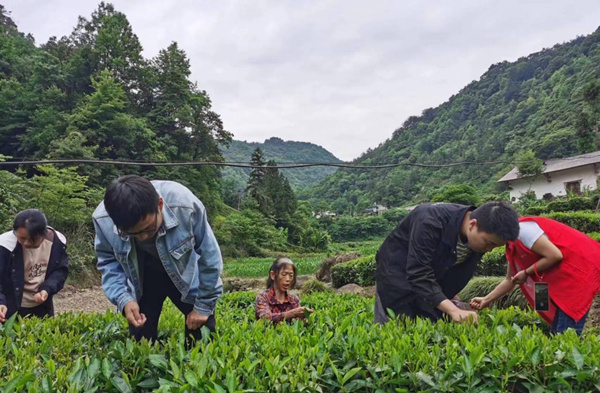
242	165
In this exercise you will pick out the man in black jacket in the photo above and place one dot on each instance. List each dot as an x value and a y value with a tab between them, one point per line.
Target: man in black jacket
33	266
433	253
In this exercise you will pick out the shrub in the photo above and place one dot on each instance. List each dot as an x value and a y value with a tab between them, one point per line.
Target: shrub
493	263
585	222
312	238
460	193
572	204
360	271
340	350
312	286
595	236
481	286
347	228
564	205
395	215
535	210
12	195
248	233
324	272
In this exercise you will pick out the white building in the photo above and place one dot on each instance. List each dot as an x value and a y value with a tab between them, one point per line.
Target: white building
576	174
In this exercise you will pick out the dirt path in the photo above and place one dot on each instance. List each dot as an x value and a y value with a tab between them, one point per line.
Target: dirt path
93	299
81	300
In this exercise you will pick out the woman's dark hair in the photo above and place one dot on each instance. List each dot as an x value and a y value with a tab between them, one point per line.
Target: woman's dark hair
276	267
497	218
129	199
34	222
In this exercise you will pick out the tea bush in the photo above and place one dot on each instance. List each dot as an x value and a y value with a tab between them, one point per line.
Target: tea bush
338	350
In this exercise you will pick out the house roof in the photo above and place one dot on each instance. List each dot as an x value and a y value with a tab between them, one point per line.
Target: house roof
560	164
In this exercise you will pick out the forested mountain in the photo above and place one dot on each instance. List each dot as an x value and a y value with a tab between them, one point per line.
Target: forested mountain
548	102
92	95
281	152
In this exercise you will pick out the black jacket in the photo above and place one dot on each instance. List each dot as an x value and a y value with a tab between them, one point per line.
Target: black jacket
416	259
12	274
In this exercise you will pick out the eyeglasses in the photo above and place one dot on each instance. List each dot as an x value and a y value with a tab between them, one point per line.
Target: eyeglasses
150	230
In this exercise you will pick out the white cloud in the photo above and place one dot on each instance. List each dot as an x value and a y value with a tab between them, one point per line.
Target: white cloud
342	74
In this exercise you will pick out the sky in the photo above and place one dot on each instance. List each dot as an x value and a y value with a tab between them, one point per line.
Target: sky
342	74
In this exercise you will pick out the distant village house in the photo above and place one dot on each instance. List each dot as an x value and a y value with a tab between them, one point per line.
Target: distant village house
559	177
375	210
324	214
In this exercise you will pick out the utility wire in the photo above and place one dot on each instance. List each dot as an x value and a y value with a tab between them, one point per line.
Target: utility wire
250	166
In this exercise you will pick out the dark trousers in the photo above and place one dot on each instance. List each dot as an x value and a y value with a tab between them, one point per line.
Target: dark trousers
41	311
562	322
157	286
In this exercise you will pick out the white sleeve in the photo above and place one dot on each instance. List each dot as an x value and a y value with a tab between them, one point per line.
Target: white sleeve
529	232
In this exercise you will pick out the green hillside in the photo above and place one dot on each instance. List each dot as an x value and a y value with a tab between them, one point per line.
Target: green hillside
536	102
282	152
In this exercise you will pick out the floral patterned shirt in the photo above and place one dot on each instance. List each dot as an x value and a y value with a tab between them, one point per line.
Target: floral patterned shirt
267	305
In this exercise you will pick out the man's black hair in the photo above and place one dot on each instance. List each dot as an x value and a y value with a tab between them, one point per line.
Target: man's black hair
34	222
129	199
497	218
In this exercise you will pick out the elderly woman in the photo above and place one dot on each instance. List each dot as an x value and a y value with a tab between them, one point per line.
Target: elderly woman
33	266
276	304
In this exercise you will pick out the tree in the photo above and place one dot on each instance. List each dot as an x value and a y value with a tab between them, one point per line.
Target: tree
271	190
104	42
257	175
171	113
461	193
529	165
6	21
588	120
101	126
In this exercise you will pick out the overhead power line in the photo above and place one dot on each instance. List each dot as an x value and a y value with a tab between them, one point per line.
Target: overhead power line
250	166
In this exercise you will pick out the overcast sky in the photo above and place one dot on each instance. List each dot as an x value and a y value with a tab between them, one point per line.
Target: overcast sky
343	74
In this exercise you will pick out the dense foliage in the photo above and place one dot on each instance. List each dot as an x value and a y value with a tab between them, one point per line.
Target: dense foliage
360	271
481	286
563	205
493	263
546	102
270	193
347	228
339	350
91	94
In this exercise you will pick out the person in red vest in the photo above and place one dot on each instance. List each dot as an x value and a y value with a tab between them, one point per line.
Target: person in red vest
547	251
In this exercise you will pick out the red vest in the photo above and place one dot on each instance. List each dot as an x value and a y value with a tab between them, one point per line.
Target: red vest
573	282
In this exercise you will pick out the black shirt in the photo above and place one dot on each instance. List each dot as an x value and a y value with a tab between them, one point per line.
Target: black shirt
414	258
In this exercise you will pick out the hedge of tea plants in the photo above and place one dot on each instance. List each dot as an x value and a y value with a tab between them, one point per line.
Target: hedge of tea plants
338	350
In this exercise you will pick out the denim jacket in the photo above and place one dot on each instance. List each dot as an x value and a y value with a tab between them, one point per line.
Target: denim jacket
185	243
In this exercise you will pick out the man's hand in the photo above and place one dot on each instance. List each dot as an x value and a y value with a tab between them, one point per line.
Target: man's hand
195	321
40	297
3	311
479	303
461	316
132	313
519	278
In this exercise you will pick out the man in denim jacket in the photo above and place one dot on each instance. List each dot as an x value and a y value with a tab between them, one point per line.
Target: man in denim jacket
153	241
